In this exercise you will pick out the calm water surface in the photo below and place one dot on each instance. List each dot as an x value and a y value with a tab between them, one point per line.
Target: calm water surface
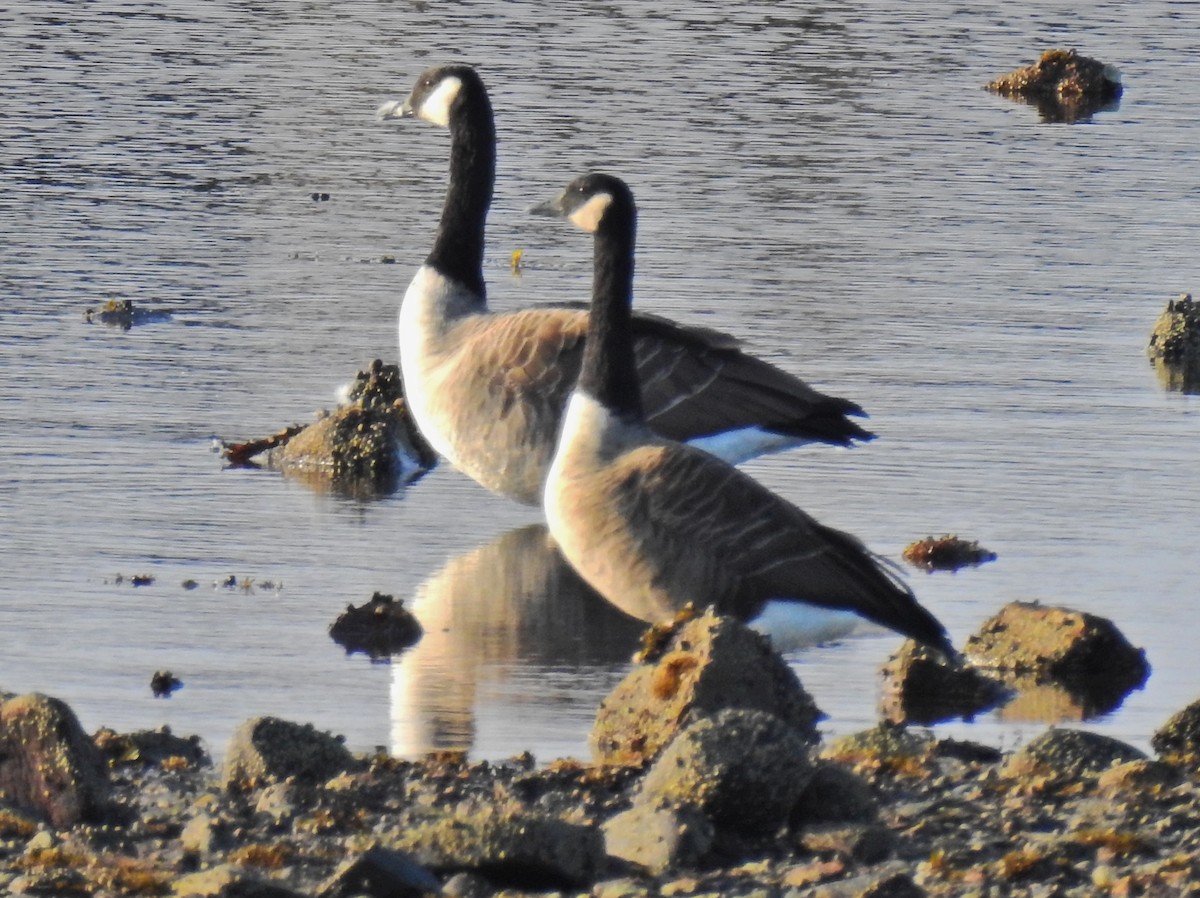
827	181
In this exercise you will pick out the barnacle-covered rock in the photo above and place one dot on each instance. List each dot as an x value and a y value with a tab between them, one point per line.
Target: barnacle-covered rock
124	314
1174	346
1065	86
368	446
1082	659
379	628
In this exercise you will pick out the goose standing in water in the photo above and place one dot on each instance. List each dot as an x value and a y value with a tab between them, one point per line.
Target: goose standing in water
488	389
654	524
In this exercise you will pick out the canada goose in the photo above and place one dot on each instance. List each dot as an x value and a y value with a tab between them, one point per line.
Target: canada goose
488	389
654	524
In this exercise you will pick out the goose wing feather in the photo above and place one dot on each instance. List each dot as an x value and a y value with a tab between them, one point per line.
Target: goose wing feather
717	532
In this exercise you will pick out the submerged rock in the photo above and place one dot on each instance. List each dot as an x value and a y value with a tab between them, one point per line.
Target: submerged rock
379	628
1030	646
705	665
1065	86
124	314
47	762
1174	346
368	446
945	553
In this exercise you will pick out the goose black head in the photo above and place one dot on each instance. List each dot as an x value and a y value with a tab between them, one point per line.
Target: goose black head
440	92
590	201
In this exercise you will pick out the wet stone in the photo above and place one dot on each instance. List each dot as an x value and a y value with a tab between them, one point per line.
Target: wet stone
920	686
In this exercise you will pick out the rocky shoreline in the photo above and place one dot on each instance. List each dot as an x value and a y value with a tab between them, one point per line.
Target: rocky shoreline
709	778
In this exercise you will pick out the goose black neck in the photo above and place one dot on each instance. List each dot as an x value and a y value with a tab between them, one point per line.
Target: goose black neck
609	371
458	246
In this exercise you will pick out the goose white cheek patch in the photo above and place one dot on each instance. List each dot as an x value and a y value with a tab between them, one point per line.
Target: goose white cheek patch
436	108
587	217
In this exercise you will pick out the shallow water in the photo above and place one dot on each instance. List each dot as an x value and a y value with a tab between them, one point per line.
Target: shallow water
828	182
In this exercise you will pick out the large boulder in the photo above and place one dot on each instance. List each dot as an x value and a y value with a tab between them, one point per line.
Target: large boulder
48	764
707	664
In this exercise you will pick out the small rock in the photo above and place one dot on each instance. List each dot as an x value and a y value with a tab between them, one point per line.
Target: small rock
47	762
1138	776
867	843
945	553
834	795
708	664
380	873
204	834
467	885
658	839
1065	86
277	802
888	748
266	749
521	849
228	881
379	628
1069	755
1179	737
150	748
163	683
743	769
920	686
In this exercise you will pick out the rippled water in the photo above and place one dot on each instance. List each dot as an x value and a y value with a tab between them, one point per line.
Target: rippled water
827	181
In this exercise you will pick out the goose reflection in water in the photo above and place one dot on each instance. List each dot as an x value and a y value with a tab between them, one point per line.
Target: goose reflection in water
512	635
517	644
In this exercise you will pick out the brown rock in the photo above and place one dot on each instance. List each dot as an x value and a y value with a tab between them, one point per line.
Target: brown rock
888	748
835	795
708	664
48	764
266	749
1064	85
1084	653
1064	754
744	770
1179	737
920	686
379	628
1174	346
526	850
658	839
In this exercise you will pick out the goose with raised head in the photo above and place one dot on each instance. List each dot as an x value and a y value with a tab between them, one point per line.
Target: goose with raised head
488	388
653	524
